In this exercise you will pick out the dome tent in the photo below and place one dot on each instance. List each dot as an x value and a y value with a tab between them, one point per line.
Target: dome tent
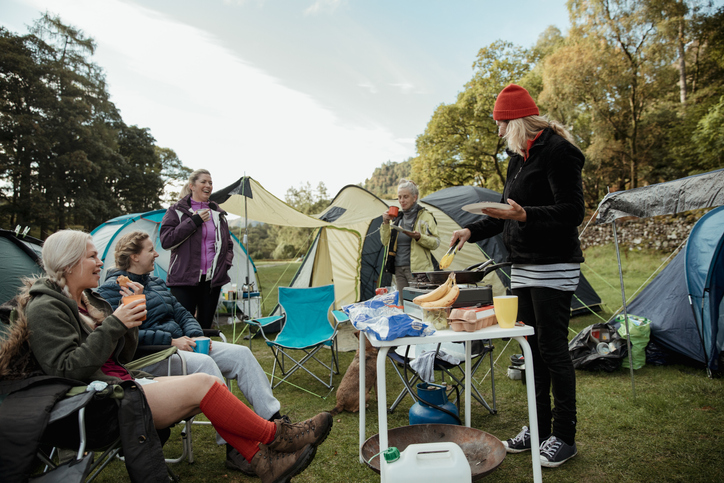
106	235
20	256
347	250
704	284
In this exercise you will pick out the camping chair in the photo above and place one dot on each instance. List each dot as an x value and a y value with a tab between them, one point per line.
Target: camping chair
43	414
308	329
455	373
264	323
149	354
87	422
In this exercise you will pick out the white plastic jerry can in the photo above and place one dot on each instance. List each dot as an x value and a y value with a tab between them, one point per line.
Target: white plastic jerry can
433	462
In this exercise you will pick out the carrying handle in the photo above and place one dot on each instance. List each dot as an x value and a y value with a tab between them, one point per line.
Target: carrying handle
492	268
479	266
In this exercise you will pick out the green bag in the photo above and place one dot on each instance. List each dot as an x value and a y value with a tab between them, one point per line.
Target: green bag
640	328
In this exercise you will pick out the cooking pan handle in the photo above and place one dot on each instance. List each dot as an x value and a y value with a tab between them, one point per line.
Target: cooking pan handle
492	268
479	266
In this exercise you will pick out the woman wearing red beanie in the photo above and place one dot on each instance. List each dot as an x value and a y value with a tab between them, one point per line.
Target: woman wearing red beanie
540	231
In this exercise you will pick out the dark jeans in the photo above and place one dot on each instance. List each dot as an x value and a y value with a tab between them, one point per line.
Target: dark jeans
201	300
548	310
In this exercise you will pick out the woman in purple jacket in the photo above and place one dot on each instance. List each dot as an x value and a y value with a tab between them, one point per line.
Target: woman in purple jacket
196	232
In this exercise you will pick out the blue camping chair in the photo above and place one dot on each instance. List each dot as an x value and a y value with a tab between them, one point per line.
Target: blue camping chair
307	328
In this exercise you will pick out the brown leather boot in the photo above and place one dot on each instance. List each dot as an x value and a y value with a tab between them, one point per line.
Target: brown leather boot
292	436
235	461
274	467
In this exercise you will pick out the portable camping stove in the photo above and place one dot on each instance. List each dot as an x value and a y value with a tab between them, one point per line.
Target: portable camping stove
470	296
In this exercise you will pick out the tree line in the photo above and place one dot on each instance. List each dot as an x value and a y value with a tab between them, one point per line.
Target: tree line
67	159
639	85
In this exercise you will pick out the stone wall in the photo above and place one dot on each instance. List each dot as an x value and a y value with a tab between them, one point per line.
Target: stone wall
658	233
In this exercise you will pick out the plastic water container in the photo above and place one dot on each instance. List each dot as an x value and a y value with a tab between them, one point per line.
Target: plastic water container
433	462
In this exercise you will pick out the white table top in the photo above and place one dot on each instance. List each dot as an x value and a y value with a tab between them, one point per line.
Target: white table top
449	335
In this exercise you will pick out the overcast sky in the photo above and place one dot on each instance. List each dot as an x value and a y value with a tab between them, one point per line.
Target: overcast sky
289	91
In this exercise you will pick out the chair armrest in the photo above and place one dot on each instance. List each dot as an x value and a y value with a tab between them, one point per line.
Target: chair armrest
146	350
214	333
262	322
150	354
340	316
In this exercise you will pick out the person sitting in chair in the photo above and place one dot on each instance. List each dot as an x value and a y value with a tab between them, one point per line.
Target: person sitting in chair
169	323
64	329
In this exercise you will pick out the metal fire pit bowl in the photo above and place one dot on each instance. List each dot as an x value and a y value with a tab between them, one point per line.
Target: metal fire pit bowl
484	451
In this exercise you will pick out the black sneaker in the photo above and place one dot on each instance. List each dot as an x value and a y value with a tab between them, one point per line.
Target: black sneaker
520	443
554	452
517	359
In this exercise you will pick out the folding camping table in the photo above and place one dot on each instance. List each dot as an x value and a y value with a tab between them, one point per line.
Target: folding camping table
518	333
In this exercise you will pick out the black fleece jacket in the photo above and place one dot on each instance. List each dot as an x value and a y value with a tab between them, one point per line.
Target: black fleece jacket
548	186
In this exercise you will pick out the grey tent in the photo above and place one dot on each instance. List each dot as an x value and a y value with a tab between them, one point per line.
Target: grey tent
19	257
451	200
347	251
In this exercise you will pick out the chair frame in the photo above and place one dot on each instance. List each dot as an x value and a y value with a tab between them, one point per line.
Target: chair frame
66	407
445	368
280	351
187	450
100	462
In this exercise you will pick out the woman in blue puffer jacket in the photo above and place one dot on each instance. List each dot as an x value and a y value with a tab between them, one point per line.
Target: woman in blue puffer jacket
169	323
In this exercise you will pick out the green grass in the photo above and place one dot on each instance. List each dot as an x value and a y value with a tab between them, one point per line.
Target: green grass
271	276
670	432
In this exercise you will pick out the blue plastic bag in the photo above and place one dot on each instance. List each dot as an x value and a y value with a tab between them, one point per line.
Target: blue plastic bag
379	317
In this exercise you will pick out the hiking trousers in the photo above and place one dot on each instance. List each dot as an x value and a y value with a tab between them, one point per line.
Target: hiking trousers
548	310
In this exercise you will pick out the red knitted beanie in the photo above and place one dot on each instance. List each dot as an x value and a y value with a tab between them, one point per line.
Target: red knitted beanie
514	102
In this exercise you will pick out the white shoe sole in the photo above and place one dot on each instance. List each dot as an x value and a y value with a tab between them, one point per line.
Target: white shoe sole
548	464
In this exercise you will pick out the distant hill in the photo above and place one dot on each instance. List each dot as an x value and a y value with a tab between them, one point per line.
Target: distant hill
383	181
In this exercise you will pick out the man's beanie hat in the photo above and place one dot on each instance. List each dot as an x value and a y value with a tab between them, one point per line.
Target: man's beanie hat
514	102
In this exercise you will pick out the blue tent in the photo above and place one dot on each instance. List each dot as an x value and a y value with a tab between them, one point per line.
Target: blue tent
698	278
684	302
106	235
705	281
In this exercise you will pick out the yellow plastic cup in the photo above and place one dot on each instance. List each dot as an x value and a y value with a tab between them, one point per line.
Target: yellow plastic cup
506	310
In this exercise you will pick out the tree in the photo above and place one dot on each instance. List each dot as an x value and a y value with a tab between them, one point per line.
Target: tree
140	185
460	144
384	180
26	100
66	157
173	172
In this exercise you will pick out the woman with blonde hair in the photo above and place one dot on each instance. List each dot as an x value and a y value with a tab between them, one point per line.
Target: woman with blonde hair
544	197
73	333
195	230
168	322
410	249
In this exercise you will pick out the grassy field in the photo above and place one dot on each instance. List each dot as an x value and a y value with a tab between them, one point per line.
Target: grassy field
670	432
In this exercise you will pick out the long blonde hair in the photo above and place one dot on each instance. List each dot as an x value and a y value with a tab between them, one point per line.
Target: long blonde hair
186	190
61	251
519	131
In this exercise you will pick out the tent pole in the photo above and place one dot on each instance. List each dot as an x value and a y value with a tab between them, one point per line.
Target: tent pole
246	286
382	269
625	313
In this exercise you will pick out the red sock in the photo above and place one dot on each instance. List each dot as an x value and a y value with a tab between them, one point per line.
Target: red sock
246	447
234	420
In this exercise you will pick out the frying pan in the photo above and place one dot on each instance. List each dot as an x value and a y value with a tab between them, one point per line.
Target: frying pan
472	274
